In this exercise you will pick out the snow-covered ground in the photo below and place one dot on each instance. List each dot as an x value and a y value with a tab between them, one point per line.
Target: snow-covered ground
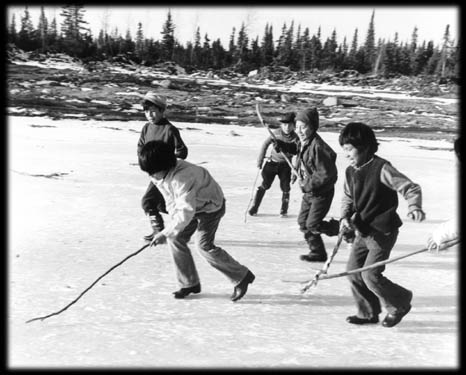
74	191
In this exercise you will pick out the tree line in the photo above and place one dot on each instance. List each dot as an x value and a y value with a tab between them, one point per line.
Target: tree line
295	47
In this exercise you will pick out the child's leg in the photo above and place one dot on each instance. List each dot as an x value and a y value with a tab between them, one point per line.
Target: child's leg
186	272
393	296
367	302
284	174
216	256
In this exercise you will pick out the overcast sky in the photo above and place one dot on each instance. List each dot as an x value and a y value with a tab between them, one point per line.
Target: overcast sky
218	22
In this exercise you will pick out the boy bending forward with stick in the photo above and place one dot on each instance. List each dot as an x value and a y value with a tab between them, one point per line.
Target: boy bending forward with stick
194	201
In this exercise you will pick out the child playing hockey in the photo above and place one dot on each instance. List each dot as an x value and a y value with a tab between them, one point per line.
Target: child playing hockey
368	209
158	128
318	171
277	165
195	201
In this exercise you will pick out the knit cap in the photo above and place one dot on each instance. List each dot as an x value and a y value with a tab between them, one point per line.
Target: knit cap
310	117
159	100
288	117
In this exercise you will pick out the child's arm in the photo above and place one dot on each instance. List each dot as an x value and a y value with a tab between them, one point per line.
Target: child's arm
446	231
181	151
410	191
263	151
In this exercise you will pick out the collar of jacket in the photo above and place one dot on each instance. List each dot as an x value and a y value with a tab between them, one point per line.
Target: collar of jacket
162	121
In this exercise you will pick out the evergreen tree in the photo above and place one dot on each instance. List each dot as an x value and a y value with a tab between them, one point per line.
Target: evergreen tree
75	41
196	55
232	47
329	52
12	35
168	38
267	47
26	32
42	29
369	48
139	47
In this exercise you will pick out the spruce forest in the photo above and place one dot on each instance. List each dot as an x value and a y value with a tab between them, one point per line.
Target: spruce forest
294	46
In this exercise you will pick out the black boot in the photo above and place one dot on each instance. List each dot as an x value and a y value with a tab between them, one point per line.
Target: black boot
156	222
257	201
285	202
330	228
317	251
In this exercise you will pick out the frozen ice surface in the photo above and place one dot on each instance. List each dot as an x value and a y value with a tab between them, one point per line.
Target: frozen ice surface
74	191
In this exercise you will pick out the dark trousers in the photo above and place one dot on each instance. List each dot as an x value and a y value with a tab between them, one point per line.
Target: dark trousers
313	210
370	288
152	200
272	169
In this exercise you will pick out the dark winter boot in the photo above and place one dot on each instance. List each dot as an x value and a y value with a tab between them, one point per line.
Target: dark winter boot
156	222
257	201
317	251
285	202
330	228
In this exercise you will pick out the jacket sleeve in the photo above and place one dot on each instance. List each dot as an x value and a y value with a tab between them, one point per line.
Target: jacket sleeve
142	139
347	207
181	151
325	170
397	181
263	150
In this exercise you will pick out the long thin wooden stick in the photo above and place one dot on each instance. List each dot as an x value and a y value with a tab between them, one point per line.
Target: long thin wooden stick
95	282
445	245
383	262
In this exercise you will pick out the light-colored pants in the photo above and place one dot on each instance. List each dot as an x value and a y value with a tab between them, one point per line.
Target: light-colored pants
206	225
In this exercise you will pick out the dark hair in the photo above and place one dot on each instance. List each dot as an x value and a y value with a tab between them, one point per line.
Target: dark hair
359	135
156	156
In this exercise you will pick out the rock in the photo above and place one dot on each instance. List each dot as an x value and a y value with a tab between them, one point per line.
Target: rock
330	101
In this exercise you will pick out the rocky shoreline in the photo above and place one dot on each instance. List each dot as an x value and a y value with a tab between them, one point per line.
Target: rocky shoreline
112	92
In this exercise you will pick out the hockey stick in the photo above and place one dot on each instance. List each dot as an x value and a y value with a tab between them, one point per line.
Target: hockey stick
326	266
95	282
274	138
445	245
252	194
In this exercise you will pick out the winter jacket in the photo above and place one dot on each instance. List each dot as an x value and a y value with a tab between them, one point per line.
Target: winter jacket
316	166
370	191
165	131
291	140
188	189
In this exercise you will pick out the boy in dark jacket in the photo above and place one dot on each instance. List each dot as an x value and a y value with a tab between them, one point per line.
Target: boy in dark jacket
318	171
158	128
369	210
276	165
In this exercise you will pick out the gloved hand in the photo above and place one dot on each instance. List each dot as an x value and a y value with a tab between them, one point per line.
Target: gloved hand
279	145
159	238
347	230
417	215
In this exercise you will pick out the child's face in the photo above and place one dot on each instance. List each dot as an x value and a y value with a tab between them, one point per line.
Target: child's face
356	157
287	127
304	131
153	113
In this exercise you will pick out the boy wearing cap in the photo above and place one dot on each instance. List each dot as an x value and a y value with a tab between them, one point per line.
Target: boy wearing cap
158	128
276	164
195	202
318	172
